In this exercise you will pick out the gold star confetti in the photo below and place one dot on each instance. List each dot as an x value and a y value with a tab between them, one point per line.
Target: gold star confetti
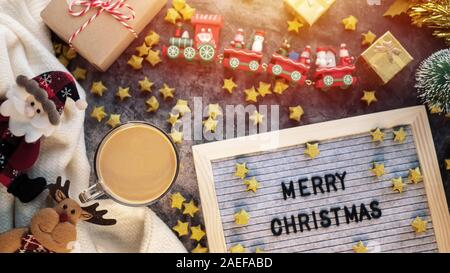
229	85
264	89
259	250
114	121
435	109
210	125
296	113
241	218
69	52
176	136
294	25
368	38
200	249
187	12
123	93
369	97
377	135
98	88
190	208
237	249
98	113
257	118
153	104
173	119
447	164
350	22
360	248
251	95
182	107
197	233
143	50
79	73
145	85
181	228
419	225
415	176
312	150
214	111
153	57
252	184
177	200
280	87
241	170
178	4
152	38
172	16
378	169
397	184
167	92
400	135
135	62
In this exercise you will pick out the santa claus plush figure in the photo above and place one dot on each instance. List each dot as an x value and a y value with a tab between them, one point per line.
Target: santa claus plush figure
32	110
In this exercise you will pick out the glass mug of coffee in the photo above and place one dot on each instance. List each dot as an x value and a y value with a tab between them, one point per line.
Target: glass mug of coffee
136	164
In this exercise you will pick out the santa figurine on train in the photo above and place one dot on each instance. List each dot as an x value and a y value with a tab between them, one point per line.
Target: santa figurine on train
32	110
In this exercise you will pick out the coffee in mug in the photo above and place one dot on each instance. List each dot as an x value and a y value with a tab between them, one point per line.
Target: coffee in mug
136	164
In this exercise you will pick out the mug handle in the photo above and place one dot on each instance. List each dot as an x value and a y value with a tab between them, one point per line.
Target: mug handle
93	192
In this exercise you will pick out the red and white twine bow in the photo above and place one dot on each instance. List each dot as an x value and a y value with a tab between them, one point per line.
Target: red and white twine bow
109	6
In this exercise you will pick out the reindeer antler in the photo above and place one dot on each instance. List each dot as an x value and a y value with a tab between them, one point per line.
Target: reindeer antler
97	216
53	188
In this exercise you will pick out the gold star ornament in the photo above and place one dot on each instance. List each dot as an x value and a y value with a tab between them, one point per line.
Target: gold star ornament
400	135
182	107
181	228
145	85
172	16
360	248
153	104
369	97
251	95
229	85
176	136
257	118
79	73
397	185
368	38
280	87
114	121
98	113
419	225
237	249
350	22
377	135
214	111
173	119
415	176
264	89
378	169
123	93
252	184
197	233
177	200
167	92
312	150
241	218
187	12
135	62
142	50
210	125
241	170
152	38
190	208
294	25
296	113
98	88
200	249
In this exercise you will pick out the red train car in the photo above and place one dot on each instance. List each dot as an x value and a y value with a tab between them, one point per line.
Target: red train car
203	46
289	69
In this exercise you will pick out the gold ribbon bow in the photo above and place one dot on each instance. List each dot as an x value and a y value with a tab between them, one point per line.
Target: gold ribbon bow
388	48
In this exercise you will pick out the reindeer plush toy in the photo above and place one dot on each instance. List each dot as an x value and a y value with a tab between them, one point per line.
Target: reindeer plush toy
53	230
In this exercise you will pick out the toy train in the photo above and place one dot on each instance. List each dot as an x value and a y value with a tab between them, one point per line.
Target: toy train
285	64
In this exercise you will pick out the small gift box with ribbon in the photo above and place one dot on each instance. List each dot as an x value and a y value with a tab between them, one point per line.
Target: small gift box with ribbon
387	57
100	30
309	10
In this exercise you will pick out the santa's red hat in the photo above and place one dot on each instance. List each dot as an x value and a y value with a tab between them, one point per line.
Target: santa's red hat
260	33
52	89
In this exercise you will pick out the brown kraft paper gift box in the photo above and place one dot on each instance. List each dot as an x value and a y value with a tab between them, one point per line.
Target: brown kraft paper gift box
105	38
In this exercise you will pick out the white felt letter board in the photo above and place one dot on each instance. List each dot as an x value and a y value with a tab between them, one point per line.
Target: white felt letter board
331	202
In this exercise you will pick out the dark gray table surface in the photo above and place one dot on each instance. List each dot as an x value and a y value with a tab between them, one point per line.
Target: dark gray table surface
206	81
